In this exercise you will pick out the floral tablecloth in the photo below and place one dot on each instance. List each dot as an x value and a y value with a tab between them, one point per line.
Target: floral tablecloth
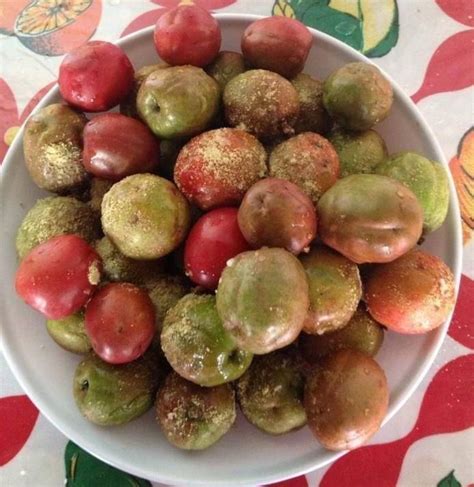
427	46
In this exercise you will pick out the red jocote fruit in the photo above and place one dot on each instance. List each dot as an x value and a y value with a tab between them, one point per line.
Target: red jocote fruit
277	213
413	294
96	76
214	239
58	277
217	167
120	322
187	35
278	44
116	146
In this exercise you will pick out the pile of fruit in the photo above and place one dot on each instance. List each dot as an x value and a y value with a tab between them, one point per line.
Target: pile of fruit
238	234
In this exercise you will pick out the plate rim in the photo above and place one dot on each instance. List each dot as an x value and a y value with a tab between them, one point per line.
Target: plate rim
303	467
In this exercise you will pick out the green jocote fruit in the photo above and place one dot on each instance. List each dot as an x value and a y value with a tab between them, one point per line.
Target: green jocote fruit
53	216
178	101
194	417
262	299
428	181
145	216
197	346
335	290
109	394
359	152
357	96
270	393
70	333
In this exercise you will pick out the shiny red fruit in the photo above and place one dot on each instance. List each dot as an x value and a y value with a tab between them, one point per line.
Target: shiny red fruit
120	322
278	44
58	277
214	239
116	146
96	76
187	35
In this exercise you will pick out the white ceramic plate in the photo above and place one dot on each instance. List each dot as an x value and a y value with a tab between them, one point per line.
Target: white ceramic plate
244	456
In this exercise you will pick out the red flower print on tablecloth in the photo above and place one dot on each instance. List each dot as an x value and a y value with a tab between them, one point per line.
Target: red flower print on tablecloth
150	17
460	10
10	120
462	324
18	416
450	67
446	407
49	27
462	170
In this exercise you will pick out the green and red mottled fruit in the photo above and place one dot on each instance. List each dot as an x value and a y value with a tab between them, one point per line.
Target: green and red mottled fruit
413	294
307	160
357	96
277	213
52	146
262	299
335	290
361	333
370	218
427	180
217	167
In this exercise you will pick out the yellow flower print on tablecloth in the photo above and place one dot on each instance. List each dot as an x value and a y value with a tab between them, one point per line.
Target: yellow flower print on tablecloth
462	169
370	26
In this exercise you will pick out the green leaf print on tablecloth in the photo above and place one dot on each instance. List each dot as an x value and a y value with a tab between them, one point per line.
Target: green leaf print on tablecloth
369	27
449	481
84	470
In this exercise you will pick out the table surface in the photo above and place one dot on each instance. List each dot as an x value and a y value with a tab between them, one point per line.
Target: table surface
427	46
